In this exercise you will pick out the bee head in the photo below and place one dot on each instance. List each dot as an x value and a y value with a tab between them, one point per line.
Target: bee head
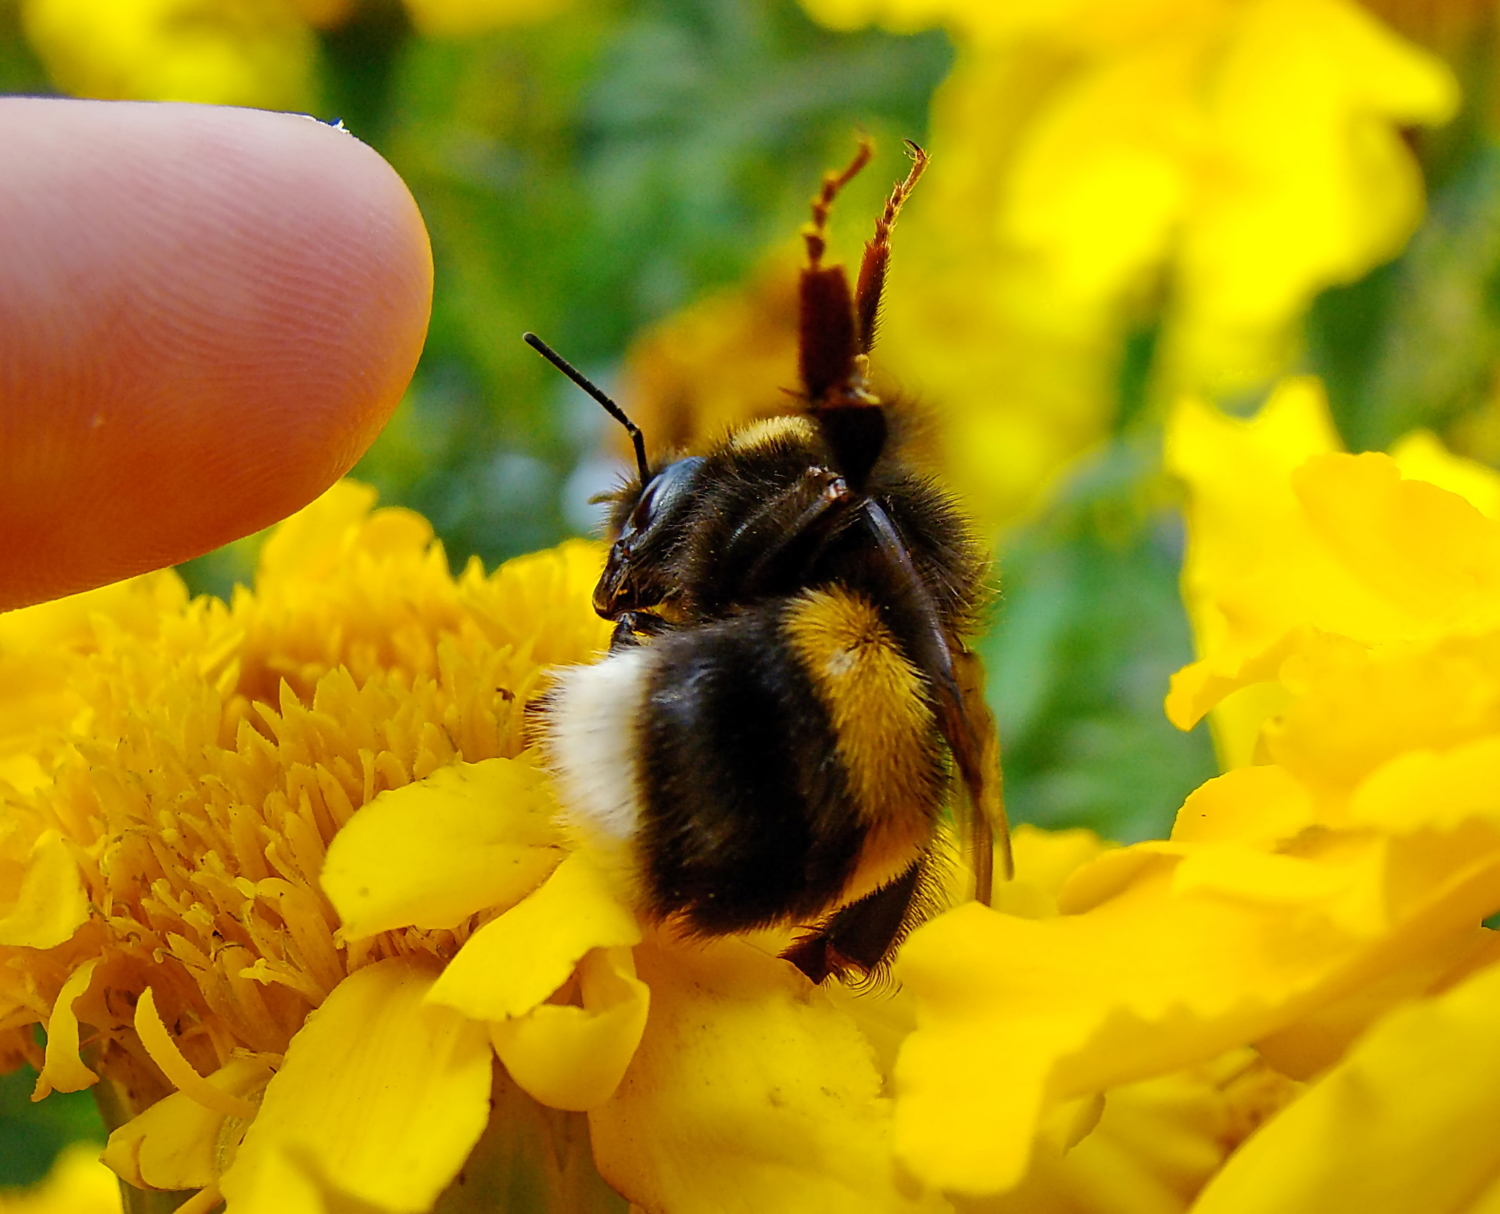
649	527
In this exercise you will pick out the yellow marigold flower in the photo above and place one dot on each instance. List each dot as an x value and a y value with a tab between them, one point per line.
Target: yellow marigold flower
1401	1124
1247	151
260	53
42	652
1277	549
717	364
161	913
315	891
1300	899
77	1184
225	52
303	887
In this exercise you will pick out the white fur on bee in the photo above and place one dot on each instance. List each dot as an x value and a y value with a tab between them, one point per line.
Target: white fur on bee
591	744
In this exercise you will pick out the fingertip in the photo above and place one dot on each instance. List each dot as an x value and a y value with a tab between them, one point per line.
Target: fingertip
206	316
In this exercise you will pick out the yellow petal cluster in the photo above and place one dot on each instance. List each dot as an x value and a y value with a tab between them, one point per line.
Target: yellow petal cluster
1321	902
257	53
285	884
1091	157
714	1076
260	53
160	906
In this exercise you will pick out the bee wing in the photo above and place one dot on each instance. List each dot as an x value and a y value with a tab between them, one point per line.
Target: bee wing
957	681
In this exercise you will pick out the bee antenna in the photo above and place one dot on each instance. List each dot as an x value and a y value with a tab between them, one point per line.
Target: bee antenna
637	439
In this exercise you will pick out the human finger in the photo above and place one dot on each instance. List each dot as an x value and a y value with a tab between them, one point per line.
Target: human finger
206	316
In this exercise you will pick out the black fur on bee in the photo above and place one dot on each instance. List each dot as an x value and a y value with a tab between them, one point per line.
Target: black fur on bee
769	740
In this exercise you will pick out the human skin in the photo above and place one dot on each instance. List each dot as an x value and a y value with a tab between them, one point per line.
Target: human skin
206	317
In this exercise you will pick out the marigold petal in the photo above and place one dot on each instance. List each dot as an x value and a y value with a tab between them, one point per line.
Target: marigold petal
1356	710
1437	791
573	1057
1307	101
1249	805
285	1181
1421	456
432	853
178	1143
1424	554
1404	1123
750	1092
63	1069
51	904
1155	1145
512	964
309	544
158	1043
1164	966
1242	519
1044	860
381	1098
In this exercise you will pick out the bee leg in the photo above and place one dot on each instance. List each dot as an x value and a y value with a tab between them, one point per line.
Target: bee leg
633	628
775	543
965	723
860	938
873	265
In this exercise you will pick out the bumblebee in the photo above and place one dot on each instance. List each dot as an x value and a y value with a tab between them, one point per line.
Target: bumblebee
771	739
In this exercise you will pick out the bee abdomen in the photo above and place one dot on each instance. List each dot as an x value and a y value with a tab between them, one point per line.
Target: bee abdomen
761	769
748	817
884	731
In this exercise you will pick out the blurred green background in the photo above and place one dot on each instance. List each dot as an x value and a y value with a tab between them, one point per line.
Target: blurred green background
588	177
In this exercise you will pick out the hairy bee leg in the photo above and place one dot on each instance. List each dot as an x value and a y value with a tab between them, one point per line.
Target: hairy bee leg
862	936
815	235
988	824
762	555
872	267
828	341
934	656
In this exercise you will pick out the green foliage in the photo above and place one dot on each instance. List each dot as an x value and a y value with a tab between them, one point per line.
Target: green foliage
1415	343
1089	631
31	1135
584	179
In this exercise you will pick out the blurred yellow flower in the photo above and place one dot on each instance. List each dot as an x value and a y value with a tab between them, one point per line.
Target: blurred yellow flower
1303	898
1236	156
260	53
223	52
994	401
717	364
1280	555
77	1184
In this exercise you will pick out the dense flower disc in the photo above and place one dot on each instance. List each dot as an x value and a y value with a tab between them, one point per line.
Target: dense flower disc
175	771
